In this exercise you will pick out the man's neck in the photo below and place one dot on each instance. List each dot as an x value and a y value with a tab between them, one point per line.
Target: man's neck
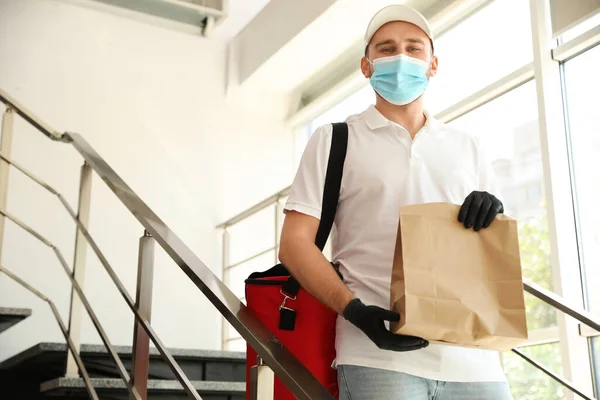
410	116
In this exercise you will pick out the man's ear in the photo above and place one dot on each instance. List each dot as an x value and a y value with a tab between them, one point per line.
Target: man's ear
366	67
433	67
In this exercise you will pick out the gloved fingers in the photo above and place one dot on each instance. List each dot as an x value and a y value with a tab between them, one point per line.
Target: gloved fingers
473	210
499	206
413	345
394	342
387	315
416	346
482	215
464	209
491	215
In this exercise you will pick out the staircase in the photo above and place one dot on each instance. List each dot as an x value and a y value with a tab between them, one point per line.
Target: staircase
36	373
12	316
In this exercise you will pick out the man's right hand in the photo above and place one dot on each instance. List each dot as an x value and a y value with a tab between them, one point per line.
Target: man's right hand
370	320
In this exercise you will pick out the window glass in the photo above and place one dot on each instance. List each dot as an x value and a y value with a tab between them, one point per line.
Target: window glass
251	236
596	361
513	146
584	122
354	104
529	383
235	277
479	51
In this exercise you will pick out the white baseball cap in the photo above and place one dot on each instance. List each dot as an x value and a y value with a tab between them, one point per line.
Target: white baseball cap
396	12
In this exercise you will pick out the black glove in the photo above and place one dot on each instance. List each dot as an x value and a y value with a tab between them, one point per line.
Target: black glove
479	210
370	320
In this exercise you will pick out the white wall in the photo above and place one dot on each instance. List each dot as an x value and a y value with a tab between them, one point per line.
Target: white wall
152	102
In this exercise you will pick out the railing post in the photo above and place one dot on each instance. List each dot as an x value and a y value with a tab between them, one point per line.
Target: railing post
225	265
262	381
5	149
143	302
76	309
225	259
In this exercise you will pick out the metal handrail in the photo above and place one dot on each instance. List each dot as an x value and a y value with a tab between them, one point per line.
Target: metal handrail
63	328
286	366
28	174
581	315
554	300
256	208
566	383
113	353
253	257
29	117
187	385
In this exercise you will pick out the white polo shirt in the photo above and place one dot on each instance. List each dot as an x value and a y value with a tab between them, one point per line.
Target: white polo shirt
384	170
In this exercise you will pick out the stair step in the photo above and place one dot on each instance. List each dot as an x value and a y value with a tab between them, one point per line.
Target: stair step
46	361
12	316
157	389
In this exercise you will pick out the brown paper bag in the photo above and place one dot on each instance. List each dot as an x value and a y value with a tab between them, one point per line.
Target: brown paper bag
453	285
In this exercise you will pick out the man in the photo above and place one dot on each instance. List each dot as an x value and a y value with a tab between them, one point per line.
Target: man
397	155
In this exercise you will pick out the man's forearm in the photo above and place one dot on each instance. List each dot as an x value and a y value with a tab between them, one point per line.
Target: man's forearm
316	275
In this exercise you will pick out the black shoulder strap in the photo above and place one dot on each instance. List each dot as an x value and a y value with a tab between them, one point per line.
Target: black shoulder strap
331	194
333	182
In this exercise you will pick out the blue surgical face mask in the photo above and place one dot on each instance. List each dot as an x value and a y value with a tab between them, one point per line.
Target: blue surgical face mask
399	79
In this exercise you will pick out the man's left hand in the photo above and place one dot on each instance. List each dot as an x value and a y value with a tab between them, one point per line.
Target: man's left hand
479	210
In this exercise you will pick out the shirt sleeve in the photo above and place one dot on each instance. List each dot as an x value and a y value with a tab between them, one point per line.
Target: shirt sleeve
306	195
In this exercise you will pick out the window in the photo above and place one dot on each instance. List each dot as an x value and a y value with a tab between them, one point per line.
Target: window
251	236
354	104
534	193
529	383
514	148
584	123
596	361
480	51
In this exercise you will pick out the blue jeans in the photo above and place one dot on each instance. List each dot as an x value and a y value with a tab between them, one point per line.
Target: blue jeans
363	383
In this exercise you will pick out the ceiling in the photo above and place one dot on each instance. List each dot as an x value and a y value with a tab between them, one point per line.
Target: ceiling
239	14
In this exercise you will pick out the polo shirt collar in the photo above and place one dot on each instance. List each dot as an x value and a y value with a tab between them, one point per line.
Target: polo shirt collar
376	120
